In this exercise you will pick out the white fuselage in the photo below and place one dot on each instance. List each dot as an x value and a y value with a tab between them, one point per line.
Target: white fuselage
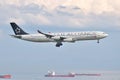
57	37
69	36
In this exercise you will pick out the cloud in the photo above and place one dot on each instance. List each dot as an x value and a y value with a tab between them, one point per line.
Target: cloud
72	13
95	6
37	19
17	20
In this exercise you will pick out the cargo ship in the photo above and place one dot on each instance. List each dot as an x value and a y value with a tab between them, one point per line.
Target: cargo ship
53	74
84	74
5	76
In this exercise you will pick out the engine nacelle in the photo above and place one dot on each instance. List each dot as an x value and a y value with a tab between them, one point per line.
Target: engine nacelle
69	40
64	40
56	37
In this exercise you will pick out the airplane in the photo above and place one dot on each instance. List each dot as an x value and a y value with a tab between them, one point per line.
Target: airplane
59	38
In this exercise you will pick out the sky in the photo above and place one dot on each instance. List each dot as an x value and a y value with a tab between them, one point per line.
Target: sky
22	57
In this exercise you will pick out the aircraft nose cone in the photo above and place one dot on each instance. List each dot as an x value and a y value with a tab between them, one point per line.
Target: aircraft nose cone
106	35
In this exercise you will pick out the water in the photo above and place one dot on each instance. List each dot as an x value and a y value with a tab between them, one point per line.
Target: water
38	76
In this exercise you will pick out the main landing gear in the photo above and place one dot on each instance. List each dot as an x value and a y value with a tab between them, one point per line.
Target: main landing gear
59	44
98	41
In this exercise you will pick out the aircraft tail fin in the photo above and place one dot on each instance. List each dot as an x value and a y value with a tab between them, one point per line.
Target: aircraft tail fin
17	30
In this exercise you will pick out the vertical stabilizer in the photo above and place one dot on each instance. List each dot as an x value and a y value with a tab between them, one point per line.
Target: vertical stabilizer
17	30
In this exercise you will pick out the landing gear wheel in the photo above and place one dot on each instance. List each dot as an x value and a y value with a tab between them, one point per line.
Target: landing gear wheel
59	44
98	41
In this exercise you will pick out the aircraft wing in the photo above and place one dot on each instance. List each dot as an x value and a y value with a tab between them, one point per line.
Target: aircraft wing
57	38
47	35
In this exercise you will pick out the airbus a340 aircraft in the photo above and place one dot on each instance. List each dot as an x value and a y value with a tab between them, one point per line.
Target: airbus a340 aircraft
57	37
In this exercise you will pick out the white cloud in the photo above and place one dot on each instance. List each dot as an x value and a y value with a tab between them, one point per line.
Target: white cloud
17	20
77	13
87	5
37	19
96	6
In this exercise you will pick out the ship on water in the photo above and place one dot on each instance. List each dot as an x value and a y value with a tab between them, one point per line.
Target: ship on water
71	74
5	76
53	74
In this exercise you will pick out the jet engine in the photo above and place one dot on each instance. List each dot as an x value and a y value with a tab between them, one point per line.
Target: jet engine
56	37
69	40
